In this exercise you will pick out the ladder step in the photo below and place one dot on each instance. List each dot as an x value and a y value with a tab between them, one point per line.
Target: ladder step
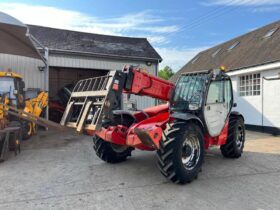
79	103
82	103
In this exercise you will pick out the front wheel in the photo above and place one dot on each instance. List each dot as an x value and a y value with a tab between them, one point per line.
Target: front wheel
3	150
27	130
15	137
181	154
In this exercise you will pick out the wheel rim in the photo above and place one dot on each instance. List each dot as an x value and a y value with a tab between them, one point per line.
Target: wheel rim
240	137
118	148
190	152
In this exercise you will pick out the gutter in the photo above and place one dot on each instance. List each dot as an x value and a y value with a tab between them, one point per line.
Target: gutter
256	68
101	55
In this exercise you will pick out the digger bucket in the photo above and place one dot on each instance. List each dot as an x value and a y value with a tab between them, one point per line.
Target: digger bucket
92	102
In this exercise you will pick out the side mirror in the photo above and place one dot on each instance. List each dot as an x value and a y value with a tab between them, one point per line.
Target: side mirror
234	105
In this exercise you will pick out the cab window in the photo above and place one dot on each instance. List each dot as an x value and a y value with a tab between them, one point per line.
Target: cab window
215	93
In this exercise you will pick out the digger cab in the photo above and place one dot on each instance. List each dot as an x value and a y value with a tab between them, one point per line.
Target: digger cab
205	96
12	86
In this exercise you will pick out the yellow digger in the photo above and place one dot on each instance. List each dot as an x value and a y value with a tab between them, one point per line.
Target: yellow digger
12	89
18	116
16	112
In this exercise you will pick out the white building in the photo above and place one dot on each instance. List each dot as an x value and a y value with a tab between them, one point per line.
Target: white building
253	62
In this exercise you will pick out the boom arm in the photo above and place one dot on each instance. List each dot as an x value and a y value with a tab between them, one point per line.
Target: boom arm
93	100
140	83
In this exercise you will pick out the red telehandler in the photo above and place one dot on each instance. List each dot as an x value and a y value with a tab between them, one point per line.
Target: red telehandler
199	114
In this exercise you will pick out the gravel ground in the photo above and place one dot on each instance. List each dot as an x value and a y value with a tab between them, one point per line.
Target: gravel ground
60	171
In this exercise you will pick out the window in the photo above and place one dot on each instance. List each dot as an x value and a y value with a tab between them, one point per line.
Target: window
270	33
195	59
228	95
215	92
216	52
7	86
233	45
189	90
250	85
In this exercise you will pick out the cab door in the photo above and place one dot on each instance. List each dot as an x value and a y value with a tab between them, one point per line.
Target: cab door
19	97
218	106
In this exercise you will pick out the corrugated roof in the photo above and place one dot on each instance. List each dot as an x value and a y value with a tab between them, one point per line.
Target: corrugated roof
96	44
252	50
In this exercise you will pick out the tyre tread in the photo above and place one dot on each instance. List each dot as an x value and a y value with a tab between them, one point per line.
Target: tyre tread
166	161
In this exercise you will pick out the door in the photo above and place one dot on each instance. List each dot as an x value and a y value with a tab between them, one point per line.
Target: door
218	106
271	100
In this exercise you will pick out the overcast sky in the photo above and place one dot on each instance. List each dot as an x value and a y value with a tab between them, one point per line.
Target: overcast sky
177	29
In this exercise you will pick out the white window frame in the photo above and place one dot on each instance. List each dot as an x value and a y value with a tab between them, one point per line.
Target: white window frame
233	46
270	33
216	52
195	59
250	85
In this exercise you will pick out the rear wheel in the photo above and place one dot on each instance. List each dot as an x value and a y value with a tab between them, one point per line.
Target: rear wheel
181	155
110	153
236	138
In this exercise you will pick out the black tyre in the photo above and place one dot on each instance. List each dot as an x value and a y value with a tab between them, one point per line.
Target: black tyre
181	155
55	116
27	130
110	153
236	138
15	137
3	152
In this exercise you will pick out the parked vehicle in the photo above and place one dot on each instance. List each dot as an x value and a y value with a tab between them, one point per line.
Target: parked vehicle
199	114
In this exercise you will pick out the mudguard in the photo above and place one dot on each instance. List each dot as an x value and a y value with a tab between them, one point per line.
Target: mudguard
187	117
236	113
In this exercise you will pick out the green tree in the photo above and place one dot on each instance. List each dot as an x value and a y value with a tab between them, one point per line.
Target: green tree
165	73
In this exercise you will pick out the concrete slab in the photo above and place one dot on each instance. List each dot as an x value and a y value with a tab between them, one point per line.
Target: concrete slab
60	171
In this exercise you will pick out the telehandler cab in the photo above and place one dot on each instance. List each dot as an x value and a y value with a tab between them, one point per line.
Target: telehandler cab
199	114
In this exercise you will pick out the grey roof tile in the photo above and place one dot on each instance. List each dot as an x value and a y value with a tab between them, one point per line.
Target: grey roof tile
252	50
96	44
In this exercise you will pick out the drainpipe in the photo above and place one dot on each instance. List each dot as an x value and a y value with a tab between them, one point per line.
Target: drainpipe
46	72
45	59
